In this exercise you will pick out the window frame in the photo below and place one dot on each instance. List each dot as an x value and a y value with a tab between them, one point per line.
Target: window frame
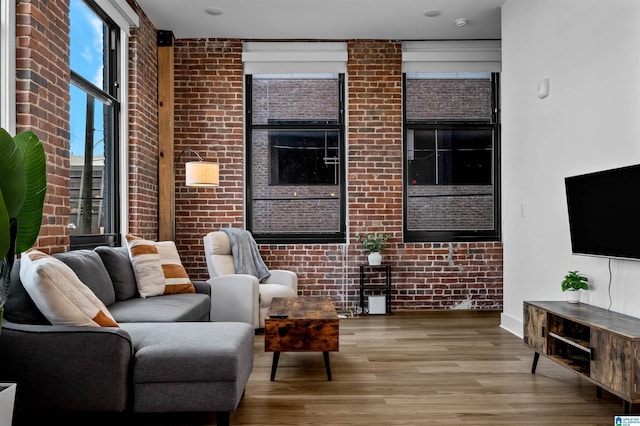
8	66
297	237
113	74
468	235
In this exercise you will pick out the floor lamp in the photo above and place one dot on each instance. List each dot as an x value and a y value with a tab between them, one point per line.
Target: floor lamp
197	173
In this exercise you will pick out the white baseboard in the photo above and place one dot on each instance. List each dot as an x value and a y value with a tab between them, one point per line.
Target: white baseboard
511	324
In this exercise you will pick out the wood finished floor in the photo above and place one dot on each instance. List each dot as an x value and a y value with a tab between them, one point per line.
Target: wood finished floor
408	368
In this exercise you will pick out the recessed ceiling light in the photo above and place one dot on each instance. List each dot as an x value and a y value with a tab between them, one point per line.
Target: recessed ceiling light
461	22
432	13
214	11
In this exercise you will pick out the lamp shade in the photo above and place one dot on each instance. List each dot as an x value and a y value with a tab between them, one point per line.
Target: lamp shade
202	173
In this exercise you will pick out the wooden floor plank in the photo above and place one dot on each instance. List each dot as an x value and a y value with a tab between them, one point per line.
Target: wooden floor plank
410	368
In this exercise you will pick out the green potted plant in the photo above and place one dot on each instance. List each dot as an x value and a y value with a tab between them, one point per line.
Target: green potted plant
573	282
23	184
374	244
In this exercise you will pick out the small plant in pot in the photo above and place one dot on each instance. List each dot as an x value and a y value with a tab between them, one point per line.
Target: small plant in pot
573	282
374	244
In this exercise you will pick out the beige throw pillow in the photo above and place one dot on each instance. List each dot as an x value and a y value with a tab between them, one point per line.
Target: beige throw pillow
157	267
59	294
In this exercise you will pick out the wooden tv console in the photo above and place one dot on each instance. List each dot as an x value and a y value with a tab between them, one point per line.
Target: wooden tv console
600	345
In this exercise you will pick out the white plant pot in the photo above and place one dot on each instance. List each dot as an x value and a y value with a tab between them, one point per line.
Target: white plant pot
7	400
375	258
573	296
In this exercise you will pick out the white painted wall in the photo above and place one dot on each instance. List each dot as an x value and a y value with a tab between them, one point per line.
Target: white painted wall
590	52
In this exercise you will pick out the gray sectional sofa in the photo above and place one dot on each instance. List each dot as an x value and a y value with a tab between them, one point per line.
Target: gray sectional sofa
165	356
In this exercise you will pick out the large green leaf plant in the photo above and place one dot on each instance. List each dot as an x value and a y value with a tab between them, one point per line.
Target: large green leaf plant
23	185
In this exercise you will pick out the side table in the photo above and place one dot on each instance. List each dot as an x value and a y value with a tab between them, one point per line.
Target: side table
368	269
301	324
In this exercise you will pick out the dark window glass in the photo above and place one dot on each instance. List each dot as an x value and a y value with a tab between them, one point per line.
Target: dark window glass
304	157
451	152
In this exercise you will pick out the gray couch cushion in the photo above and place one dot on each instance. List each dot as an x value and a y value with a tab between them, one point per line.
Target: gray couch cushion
116	261
200	366
165	308
19	307
89	268
191	352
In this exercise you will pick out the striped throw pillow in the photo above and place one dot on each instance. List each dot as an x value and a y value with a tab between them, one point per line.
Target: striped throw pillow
59	294
157	267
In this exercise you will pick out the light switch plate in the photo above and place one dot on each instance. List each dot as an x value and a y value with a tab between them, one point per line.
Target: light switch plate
543	88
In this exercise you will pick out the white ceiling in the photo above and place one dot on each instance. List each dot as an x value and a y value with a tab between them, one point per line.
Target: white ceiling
326	19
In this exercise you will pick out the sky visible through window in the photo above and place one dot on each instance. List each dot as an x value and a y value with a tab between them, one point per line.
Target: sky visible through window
87	59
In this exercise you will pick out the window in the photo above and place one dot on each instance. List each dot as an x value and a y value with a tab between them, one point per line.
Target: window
451	156
99	30
295	152
300	157
7	66
93	206
442	156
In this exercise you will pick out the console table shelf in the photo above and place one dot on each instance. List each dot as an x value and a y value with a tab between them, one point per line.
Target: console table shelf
600	345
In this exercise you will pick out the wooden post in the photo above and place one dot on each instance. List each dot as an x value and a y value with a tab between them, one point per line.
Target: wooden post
166	184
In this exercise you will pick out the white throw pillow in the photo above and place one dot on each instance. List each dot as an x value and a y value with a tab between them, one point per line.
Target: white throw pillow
59	294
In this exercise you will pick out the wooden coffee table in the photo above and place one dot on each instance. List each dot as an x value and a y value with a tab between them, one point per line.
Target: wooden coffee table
301	324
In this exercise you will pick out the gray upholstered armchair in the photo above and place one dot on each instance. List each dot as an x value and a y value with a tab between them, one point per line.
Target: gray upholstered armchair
241	297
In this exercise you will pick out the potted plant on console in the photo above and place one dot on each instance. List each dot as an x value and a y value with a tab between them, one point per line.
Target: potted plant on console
573	282
374	244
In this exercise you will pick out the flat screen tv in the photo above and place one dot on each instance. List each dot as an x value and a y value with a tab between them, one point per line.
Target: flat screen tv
604	213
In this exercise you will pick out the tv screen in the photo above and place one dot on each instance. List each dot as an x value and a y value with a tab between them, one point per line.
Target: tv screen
604	213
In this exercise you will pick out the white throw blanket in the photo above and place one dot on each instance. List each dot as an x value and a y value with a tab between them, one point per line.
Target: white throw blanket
246	256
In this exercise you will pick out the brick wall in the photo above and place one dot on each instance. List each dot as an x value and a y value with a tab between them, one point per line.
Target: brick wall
143	129
209	118
42	104
209	102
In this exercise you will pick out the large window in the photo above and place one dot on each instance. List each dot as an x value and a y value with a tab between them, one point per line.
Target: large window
295	157
451	156
7	65
94	201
